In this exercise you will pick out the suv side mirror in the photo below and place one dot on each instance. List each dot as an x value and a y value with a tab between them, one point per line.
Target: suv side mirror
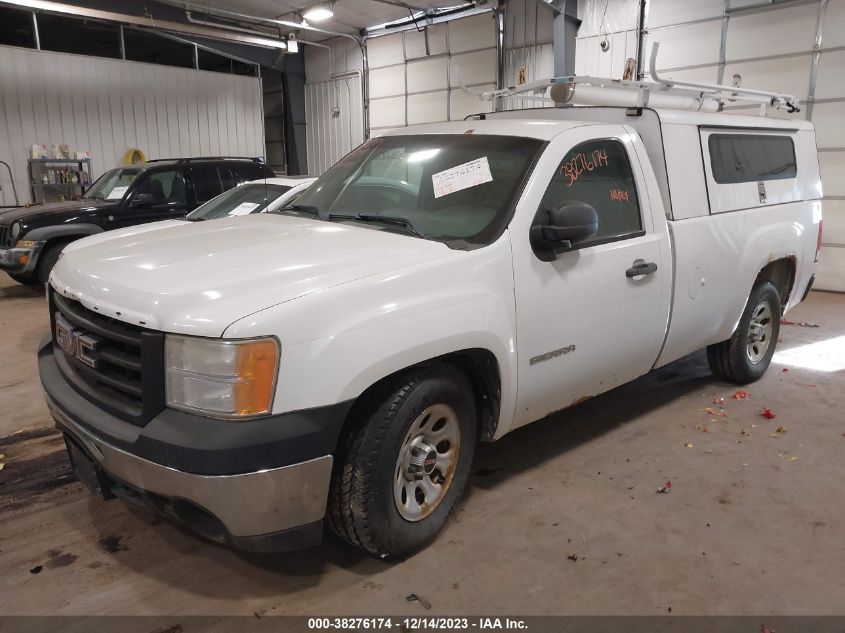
556	230
143	200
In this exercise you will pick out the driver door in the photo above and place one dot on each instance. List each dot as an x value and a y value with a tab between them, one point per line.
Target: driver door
584	325
164	199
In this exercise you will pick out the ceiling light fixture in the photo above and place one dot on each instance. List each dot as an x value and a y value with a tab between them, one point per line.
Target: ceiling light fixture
319	13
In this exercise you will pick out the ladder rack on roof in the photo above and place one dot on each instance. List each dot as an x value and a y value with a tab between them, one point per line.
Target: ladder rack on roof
660	93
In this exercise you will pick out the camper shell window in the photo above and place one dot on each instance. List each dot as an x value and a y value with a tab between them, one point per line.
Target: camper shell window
737	158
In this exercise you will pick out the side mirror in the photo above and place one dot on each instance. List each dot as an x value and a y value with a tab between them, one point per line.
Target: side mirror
556	230
143	200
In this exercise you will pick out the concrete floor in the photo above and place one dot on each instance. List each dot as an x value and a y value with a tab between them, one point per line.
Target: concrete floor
753	523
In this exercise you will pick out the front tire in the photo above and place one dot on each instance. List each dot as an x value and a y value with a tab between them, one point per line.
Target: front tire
404	465
745	356
48	259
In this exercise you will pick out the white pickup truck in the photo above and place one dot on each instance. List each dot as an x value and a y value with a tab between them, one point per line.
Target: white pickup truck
441	285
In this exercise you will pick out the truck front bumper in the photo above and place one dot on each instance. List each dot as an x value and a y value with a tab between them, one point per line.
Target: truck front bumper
20	261
260	509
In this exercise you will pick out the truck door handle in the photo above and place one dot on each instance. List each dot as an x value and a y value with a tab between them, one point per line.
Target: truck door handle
640	267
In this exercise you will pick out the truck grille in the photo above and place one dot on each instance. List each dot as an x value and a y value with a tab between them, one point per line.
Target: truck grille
5	234
117	366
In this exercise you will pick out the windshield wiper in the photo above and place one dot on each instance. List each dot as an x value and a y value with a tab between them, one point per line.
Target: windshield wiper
385	219
302	208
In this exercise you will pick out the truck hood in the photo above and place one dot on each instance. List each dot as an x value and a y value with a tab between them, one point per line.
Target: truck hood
49	211
129	231
199	278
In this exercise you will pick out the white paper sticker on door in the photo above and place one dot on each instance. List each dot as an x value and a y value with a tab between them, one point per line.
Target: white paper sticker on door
117	193
475	172
244	208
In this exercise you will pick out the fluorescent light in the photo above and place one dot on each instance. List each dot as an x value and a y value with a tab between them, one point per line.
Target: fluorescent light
318	13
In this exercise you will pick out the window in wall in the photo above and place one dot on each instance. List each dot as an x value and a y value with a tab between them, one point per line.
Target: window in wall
82	37
17	29
598	173
221	64
738	158
154	49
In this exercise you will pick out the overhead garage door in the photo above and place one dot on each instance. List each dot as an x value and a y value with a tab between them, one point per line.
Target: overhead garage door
792	46
416	76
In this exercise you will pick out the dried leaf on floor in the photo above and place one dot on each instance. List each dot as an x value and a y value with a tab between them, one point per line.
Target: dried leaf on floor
665	487
767	413
799	323
689	445
712	411
741	395
781	429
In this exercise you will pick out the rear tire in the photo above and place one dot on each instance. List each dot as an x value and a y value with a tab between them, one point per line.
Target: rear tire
745	356
48	259
403	466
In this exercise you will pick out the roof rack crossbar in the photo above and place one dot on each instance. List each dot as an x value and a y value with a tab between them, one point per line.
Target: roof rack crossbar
659	92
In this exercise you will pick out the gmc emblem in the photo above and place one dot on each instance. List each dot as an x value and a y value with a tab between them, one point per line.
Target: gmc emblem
75	342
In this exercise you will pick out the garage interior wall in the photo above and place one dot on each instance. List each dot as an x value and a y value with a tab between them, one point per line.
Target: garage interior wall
334	122
792	46
529	46
107	106
415	76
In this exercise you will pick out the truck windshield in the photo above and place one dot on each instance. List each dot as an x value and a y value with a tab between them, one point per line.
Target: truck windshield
443	187
243	200
113	184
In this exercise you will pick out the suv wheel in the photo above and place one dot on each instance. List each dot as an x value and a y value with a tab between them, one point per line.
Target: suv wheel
745	356
404	466
48	259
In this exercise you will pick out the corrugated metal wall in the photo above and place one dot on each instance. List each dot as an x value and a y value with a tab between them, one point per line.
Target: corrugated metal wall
795	47
335	124
419	76
529	47
108	106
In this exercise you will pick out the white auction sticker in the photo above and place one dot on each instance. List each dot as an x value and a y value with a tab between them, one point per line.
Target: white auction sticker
244	208
117	193
475	172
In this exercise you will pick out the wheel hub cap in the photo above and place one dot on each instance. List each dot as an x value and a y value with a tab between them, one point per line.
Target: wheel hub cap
759	332
426	462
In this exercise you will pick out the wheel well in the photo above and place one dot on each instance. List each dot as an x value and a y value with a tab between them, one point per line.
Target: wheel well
781	273
479	366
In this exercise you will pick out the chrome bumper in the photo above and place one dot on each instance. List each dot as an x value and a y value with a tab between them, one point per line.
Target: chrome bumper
249	504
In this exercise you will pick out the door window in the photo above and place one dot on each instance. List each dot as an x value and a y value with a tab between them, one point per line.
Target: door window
206	183
167	187
598	173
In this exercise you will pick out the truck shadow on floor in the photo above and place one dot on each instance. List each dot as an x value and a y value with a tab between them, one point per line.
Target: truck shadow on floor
529	446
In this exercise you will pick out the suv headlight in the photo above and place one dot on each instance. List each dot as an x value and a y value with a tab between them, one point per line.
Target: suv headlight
14	232
229	379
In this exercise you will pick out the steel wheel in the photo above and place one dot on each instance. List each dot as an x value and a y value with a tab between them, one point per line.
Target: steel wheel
759	332
427	461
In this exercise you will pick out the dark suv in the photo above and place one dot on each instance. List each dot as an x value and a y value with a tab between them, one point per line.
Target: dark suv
31	239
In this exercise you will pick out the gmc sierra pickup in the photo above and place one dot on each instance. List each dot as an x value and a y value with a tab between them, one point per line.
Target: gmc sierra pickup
339	359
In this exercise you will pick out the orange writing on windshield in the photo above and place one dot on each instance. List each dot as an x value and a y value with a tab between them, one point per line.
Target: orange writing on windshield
572	169
619	195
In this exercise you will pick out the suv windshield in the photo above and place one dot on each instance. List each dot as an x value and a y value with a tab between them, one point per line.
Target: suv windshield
242	200
443	187
113	184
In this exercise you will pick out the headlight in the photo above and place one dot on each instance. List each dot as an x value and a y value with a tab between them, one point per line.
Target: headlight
15	232
221	378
